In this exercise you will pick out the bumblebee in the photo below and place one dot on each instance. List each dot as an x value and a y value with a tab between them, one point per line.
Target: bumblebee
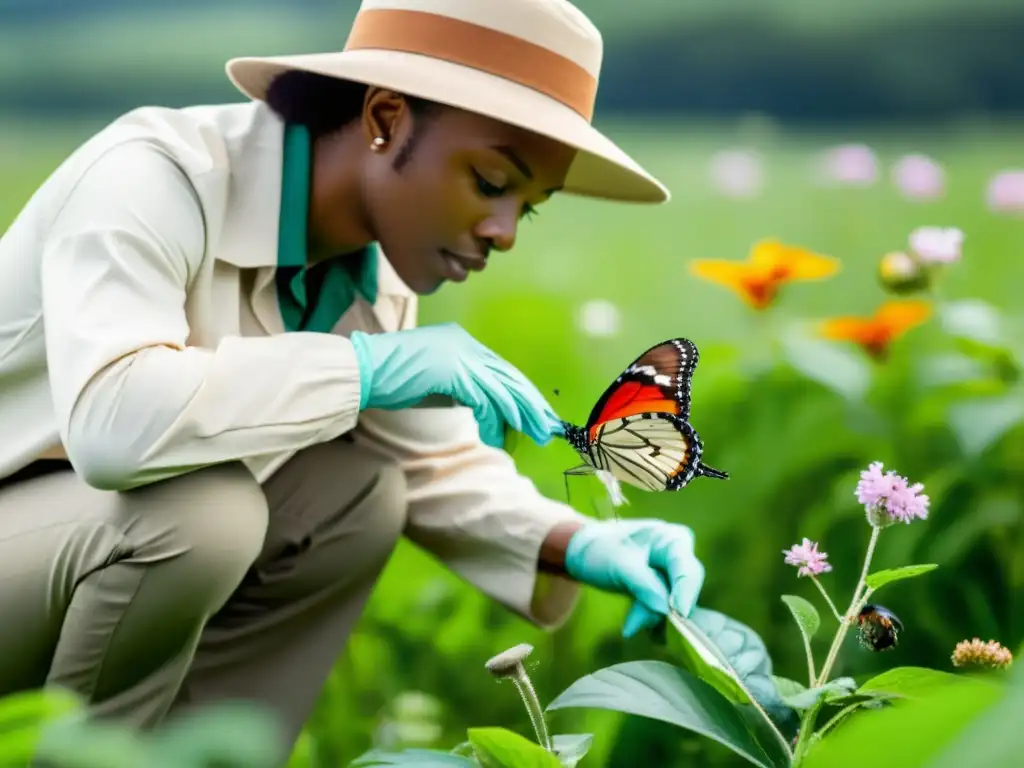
878	628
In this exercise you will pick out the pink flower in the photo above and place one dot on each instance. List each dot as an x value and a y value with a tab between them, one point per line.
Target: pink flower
737	173
852	164
937	245
1006	192
890	498
806	555
918	177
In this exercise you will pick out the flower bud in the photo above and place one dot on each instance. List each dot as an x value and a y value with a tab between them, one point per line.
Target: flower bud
975	653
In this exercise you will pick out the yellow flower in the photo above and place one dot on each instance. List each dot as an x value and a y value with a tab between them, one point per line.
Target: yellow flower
770	265
874	334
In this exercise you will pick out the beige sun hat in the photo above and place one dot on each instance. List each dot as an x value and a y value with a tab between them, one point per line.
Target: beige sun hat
530	63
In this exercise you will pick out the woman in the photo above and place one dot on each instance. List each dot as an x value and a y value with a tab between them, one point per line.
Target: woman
214	386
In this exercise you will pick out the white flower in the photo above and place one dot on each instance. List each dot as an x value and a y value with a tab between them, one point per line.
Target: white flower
1005	192
850	164
599	318
937	245
918	177
737	173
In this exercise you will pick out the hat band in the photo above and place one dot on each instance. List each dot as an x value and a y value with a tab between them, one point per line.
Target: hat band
471	45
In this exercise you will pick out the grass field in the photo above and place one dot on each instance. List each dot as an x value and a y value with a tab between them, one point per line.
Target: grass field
525	306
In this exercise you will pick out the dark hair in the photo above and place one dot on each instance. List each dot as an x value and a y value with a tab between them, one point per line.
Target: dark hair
327	104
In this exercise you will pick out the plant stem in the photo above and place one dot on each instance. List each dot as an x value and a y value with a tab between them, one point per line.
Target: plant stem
849	618
533	707
835	611
806	729
835	720
810	659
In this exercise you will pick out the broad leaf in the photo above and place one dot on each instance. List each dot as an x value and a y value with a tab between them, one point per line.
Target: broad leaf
94	744
832	366
660	691
978	424
571	747
27	717
908	735
415	758
226	735
834	689
787	687
916	682
881	578
502	748
805	613
731	657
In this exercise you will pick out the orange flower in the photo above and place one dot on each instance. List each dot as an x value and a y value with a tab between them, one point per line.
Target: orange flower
771	265
876	333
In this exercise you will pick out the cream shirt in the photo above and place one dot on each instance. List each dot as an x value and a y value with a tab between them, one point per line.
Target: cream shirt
140	336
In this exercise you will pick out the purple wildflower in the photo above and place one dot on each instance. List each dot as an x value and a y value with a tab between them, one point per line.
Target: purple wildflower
889	497
808	558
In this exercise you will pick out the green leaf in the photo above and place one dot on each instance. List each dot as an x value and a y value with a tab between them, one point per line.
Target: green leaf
916	682
980	423
502	748
92	744
660	691
833	689
231	735
787	687
730	656
572	747
909	734
418	758
26	717
805	613
881	578
835	367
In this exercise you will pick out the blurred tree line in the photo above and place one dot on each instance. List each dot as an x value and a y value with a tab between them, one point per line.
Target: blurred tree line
795	60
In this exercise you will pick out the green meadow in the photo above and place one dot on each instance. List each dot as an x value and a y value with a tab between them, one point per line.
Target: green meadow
792	418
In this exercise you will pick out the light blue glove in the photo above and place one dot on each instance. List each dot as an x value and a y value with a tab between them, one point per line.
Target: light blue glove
401	368
651	561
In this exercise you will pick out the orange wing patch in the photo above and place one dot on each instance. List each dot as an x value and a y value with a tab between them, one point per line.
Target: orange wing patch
631	398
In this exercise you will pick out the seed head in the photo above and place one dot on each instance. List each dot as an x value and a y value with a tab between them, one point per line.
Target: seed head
975	653
508	662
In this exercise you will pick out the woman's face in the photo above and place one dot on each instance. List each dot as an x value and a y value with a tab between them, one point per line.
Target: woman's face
459	193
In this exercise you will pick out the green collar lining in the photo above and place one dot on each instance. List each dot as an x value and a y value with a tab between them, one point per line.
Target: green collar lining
340	281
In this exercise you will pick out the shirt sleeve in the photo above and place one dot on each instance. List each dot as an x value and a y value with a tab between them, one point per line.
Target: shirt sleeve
135	403
471	508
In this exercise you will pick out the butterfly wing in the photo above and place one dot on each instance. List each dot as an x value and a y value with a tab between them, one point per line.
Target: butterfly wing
653	451
658	381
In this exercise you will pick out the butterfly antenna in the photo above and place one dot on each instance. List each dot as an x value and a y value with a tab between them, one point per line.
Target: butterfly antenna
703	470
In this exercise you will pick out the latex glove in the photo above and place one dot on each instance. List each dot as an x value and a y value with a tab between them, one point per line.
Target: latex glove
401	368
652	561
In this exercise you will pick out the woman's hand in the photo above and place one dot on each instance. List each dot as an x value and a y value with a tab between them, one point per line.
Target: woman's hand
401	368
651	561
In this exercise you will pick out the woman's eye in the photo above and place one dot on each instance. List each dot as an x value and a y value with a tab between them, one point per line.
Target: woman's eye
486	188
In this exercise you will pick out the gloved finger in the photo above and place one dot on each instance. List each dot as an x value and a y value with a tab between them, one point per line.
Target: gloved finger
540	422
489	422
639	617
672	554
640	581
494	390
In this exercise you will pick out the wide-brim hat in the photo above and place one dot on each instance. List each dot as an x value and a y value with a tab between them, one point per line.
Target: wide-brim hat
530	63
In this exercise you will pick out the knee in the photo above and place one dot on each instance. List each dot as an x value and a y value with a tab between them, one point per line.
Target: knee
388	506
211	524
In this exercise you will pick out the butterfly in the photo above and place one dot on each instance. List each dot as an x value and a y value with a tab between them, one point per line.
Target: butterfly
639	430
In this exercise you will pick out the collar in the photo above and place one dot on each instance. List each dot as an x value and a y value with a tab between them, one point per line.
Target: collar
254	142
292	244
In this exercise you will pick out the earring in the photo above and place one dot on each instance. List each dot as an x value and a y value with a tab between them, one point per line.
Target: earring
378	143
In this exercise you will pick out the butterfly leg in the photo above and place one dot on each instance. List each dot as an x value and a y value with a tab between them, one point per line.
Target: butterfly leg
582	469
704	470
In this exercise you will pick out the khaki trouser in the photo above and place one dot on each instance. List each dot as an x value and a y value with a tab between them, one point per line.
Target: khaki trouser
195	589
